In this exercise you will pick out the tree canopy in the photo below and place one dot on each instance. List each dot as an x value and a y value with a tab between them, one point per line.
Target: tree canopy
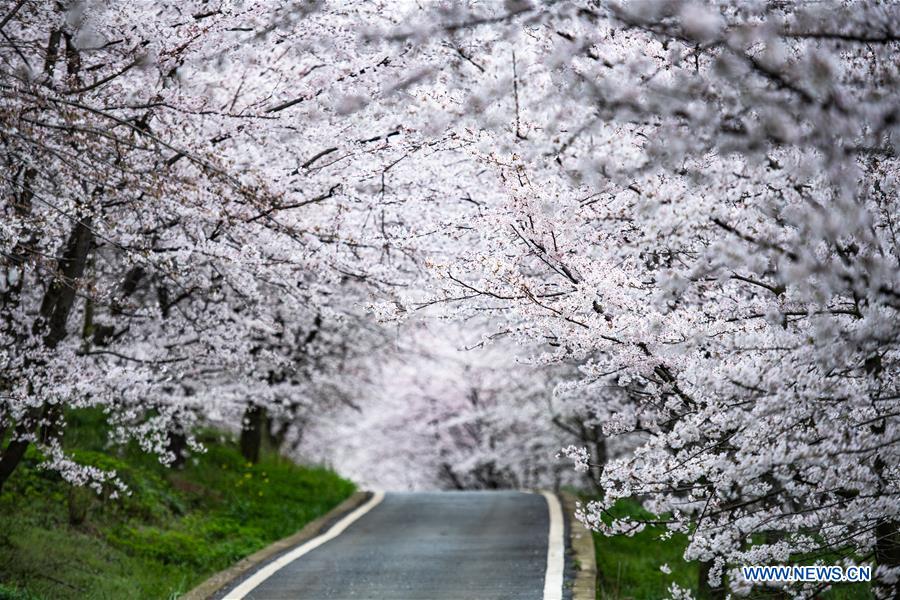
665	232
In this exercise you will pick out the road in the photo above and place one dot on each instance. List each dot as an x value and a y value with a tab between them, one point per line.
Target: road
425	546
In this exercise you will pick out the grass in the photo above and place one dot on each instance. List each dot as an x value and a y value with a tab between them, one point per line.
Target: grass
175	528
629	567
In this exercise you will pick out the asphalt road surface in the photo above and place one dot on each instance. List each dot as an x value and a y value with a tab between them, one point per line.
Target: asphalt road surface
424	546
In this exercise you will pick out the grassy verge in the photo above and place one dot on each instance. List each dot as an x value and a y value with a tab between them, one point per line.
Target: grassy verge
173	530
629	567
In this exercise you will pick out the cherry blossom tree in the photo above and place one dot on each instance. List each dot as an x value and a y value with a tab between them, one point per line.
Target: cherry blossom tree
159	260
449	412
684	212
699	203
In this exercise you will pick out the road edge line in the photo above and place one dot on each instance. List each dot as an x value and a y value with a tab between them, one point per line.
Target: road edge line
258	577
556	546
581	541
216	583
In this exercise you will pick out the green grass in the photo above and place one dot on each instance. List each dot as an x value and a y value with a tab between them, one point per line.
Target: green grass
629	567
175	528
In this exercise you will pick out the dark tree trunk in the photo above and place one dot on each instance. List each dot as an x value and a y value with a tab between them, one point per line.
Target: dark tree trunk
274	434
57	306
12	455
60	296
52	52
601	455
178	447
252	432
54	314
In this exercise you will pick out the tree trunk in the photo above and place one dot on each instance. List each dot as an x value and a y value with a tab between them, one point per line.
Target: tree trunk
60	295
252	432
178	447
12	456
54	314
601	455
275	433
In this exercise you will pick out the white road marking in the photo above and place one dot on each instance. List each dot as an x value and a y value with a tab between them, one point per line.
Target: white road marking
249	584
553	579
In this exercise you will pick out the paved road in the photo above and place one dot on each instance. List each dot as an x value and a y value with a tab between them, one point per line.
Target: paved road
427	546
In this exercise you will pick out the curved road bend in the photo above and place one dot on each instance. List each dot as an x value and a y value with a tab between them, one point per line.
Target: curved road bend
427	546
